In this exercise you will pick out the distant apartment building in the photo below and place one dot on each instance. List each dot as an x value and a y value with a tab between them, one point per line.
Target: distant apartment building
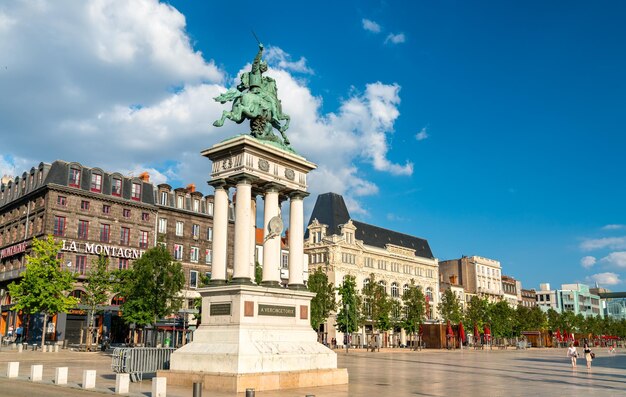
342	246
453	285
512	291
478	275
576	298
529	298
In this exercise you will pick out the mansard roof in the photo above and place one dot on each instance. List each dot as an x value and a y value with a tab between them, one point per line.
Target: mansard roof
330	209
58	173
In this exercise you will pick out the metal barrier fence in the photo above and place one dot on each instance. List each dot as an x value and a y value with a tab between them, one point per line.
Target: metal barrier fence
137	361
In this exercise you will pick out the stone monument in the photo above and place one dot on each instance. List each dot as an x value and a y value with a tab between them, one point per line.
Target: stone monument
256	336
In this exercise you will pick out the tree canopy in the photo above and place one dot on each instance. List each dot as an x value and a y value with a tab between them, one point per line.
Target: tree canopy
44	287
324	301
151	287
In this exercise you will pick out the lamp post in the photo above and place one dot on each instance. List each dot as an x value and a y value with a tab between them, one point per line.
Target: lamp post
347	327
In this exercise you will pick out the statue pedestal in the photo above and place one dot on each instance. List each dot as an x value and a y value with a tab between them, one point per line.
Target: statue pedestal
254	337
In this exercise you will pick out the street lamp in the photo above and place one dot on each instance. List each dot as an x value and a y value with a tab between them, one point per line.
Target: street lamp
347	327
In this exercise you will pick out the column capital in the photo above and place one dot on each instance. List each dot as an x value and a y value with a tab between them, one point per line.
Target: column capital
219	184
298	195
244	177
273	187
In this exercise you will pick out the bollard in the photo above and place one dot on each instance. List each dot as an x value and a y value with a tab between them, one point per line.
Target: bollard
56	348
122	382
159	387
89	379
13	369
36	372
60	376
197	389
20	348
44	349
249	392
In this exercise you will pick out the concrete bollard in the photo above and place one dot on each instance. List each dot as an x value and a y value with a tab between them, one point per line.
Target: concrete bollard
13	369
60	376
20	348
122	383
36	372
89	378
56	348
159	387
44	349
250	393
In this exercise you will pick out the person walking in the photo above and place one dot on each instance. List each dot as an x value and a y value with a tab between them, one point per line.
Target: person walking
588	355
572	354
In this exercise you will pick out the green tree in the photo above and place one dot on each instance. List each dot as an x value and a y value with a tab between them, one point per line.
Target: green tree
349	316
476	311
96	291
377	305
501	319
415	310
258	273
151	287
44	286
450	307
324	301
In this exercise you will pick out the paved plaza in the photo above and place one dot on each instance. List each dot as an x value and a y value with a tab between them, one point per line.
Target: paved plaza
395	372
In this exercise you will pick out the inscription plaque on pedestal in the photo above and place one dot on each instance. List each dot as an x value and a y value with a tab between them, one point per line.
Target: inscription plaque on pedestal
220	309
279	311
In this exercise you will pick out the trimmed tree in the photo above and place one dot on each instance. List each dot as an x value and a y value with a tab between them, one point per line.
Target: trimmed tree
96	291
450	307
377	305
151	287
44	286
324	301
415	310
349	316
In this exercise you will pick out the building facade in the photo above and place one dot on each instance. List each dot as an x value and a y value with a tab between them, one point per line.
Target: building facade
93	212
342	246
478	275
88	210
576	298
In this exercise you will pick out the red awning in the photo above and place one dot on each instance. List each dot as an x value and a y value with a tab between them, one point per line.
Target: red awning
461	332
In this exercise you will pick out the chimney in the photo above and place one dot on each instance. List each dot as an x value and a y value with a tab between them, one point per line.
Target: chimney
144	176
191	188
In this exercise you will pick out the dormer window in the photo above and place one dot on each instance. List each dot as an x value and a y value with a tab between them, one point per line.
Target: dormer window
96	183
75	177
136	192
164	198
116	187
179	201
196	205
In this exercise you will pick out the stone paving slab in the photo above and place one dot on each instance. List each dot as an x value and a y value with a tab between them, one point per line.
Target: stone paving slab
397	372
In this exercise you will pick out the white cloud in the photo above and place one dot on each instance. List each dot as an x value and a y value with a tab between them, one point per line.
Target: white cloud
117	85
617	259
370	26
587	261
282	60
423	134
607	278
605	242
395	38
613	227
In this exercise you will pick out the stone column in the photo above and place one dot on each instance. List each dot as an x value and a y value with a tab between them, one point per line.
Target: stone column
241	272
220	233
252	260
271	244
296	240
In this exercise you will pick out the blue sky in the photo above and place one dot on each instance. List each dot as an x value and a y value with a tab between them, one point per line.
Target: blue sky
488	128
